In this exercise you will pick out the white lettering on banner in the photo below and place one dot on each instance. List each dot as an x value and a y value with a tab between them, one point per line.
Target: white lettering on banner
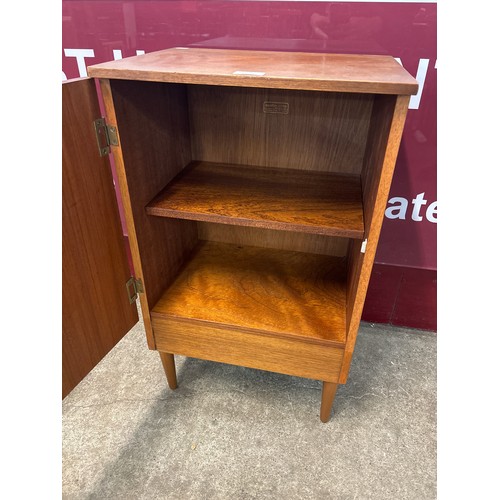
397	211
431	212
417	203
117	54
399	208
423	65
80	55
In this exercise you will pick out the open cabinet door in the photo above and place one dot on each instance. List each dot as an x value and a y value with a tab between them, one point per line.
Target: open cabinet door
96	310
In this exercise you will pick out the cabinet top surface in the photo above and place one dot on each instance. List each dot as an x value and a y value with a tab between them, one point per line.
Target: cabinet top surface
267	69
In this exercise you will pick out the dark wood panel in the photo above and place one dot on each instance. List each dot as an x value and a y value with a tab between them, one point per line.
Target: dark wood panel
371	179
248	348
248	68
319	203
270	238
279	128
96	312
153	130
378	135
355	260
287	294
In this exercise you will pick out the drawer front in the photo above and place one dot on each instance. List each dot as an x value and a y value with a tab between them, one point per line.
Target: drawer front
249	349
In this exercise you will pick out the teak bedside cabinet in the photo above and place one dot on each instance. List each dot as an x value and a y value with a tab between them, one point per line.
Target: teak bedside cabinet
254	186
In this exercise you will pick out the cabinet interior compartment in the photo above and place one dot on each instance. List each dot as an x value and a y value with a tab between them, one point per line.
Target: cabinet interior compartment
201	165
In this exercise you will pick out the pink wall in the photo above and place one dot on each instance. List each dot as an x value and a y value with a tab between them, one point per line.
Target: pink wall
403	286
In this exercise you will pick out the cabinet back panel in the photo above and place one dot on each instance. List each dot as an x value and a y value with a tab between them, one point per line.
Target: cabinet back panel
154	145
295	129
269	238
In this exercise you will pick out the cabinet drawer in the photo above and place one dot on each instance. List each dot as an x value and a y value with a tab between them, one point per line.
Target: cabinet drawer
289	356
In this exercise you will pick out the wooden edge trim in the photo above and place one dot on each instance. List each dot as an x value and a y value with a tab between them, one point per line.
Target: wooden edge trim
107	97
252	351
263	333
389	163
290	83
263	224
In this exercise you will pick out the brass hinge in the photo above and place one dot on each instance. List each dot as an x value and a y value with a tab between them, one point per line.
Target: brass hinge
134	286
106	135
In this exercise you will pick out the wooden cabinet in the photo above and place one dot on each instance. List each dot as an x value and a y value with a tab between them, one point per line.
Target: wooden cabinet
254	186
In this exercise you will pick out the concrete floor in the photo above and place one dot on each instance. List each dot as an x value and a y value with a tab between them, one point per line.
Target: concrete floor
235	433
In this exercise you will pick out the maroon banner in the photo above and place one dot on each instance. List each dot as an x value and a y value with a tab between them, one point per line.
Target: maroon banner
97	31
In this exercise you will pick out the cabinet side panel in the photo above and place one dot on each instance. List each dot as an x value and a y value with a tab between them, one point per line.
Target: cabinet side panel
384	138
279	128
376	148
269	238
355	260
154	146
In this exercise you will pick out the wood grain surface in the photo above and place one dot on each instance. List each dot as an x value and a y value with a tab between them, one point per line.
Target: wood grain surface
96	312
270	238
153	129
310	202
229	146
321	131
238	346
248	68
389	115
281	293
376	149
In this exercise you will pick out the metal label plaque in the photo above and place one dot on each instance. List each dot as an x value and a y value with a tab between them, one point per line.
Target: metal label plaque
275	107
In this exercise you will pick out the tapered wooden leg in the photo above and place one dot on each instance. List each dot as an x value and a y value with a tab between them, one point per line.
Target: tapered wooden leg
168	362
327	397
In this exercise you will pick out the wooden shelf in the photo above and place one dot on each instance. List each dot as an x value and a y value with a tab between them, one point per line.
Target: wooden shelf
266	291
273	198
